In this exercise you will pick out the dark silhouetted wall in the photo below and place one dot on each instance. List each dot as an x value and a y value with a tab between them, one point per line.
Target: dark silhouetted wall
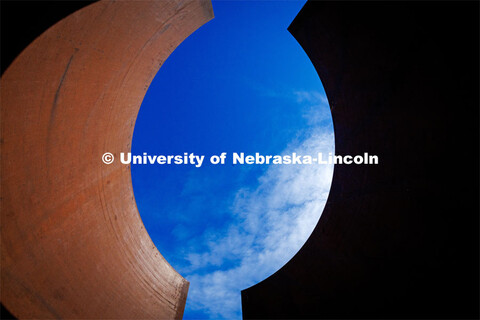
398	239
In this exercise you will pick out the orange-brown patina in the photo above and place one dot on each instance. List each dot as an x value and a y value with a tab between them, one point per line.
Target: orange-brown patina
73	244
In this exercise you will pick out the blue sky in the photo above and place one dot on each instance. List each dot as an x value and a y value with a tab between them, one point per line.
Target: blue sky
241	83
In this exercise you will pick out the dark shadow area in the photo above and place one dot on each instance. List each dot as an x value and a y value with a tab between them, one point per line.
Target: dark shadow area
398	239
23	21
5	314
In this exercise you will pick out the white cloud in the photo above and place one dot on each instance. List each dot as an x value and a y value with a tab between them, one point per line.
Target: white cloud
272	222
316	108
311	96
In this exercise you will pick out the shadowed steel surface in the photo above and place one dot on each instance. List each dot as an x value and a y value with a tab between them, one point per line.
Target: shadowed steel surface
73	244
398	239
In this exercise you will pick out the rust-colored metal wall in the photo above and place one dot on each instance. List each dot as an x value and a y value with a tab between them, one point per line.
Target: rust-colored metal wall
73	244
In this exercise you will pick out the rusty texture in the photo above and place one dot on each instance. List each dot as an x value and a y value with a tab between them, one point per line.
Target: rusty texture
73	244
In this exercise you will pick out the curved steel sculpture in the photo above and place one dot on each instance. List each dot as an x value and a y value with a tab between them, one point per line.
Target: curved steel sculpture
73	244
398	239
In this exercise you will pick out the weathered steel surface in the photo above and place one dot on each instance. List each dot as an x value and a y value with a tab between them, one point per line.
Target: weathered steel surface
73	244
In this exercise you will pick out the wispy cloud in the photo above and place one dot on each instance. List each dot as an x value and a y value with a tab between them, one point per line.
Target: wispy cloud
315	97
271	221
315	107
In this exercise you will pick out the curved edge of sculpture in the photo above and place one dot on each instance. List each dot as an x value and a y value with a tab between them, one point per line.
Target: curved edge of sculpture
72	242
398	239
